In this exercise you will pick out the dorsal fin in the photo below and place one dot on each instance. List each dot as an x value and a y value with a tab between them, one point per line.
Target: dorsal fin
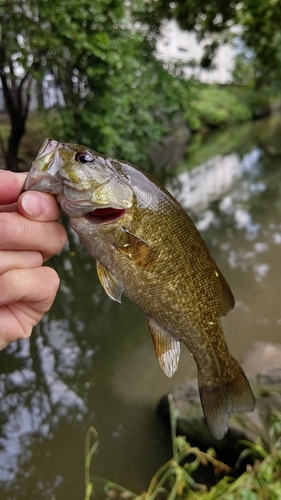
113	287
167	349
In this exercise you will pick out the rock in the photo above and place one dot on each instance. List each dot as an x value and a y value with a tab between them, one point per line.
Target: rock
262	365
261	356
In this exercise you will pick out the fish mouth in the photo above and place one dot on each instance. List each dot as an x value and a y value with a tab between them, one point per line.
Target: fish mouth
105	215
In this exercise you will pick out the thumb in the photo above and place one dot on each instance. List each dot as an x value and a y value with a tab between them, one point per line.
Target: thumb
38	206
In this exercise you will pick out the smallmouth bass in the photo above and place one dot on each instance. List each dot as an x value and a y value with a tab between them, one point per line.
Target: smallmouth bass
148	248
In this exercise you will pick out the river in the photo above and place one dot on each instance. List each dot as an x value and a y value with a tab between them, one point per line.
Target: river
91	362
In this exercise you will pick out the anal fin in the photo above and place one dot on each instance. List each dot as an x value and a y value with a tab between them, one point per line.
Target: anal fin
113	287
167	350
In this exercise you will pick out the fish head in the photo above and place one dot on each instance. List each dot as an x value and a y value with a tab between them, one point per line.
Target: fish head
82	180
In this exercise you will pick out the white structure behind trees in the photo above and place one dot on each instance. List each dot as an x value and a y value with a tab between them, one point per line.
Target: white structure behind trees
177	45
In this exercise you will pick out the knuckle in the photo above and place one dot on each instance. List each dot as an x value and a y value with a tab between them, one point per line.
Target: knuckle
59	235
57	240
10	281
25	334
51	282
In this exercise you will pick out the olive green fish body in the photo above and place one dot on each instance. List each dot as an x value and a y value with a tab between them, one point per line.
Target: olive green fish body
148	248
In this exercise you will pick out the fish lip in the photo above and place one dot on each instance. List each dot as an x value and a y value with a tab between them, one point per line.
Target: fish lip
110	215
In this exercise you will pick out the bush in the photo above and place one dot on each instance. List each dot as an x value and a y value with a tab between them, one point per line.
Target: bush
216	106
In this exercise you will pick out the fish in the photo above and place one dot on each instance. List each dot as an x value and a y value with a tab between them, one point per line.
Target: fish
147	248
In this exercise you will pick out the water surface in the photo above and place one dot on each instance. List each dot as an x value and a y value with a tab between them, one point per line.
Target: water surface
91	362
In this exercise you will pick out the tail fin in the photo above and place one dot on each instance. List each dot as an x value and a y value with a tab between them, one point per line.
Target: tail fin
218	401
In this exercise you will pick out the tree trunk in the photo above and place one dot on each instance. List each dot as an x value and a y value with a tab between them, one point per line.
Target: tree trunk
16	134
18	112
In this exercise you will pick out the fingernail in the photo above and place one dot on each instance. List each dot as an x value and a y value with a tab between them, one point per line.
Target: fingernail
34	204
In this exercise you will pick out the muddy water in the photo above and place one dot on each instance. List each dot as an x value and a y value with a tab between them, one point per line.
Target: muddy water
91	362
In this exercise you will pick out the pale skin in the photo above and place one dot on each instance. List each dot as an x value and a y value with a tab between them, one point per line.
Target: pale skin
29	236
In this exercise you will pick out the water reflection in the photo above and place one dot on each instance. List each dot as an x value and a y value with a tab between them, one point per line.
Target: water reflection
34	398
207	182
91	361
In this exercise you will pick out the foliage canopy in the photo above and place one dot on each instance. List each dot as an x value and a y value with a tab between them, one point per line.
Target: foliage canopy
258	23
114	95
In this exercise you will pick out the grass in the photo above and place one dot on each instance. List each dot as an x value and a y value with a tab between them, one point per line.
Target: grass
174	480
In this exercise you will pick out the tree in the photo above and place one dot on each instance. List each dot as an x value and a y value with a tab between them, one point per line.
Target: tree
257	22
117	97
15	88
68	39
138	101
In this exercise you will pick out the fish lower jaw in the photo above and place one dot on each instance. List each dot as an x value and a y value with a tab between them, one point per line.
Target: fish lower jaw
105	215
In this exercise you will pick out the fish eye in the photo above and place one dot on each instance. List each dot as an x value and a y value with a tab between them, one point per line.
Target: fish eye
85	157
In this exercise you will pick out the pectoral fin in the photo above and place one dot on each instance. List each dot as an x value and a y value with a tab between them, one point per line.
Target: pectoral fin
113	287
167	350
136	249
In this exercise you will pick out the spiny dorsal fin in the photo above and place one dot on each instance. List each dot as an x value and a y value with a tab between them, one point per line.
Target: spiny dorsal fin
167	350
113	287
136	249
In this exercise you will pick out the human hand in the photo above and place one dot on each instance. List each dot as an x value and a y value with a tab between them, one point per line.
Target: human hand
29	235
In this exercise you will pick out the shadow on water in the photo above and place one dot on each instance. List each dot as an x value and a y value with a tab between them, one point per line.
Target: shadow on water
91	361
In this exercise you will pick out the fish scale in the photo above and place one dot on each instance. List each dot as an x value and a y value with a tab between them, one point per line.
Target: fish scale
148	248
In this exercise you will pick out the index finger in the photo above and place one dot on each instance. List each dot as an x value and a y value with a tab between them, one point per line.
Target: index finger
11	185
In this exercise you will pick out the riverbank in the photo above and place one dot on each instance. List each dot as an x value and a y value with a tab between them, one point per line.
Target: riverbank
206	109
181	477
